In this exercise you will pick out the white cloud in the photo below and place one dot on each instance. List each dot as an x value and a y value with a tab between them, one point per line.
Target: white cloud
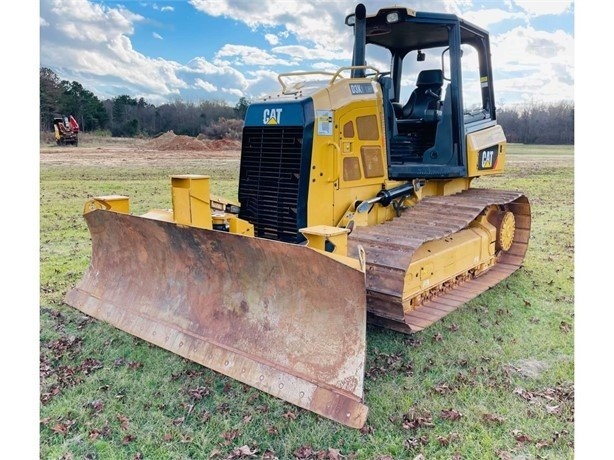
221	76
325	66
90	42
272	39
233	91
201	65
528	46
263	74
317	24
544	7
250	55
261	81
534	65
205	85
163	8
486	18
316	21
299	52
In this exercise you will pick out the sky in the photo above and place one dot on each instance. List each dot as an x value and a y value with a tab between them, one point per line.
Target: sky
195	50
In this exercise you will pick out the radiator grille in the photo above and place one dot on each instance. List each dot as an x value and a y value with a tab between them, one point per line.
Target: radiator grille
269	180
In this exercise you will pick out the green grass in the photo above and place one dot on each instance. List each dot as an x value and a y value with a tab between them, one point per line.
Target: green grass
493	380
524	149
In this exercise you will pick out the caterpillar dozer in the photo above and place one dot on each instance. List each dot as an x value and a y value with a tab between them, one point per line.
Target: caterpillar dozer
355	204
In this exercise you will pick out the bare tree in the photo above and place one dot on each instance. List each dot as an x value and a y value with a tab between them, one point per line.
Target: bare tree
539	123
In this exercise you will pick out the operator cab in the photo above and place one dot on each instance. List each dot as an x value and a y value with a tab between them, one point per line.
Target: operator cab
437	86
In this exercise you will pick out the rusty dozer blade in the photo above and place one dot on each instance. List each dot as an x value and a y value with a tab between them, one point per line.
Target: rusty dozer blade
282	318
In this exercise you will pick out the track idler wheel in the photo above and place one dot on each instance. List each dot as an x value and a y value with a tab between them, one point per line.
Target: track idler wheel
505	223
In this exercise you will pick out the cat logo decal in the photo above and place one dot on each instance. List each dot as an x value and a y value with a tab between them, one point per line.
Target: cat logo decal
487	158
271	116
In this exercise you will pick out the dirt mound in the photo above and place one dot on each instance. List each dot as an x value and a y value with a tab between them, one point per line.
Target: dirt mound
222	144
171	141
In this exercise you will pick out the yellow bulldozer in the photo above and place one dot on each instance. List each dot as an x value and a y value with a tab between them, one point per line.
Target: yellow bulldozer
355	204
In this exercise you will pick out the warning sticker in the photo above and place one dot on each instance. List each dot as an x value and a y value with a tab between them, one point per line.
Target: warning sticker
325	122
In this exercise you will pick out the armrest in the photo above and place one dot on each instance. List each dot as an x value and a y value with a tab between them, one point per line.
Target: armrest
398	109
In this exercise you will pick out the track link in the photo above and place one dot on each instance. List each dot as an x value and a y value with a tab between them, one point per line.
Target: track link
390	248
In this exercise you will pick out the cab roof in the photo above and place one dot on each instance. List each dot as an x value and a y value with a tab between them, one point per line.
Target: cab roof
402	30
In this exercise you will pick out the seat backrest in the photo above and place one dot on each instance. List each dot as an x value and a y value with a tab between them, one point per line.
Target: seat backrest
426	96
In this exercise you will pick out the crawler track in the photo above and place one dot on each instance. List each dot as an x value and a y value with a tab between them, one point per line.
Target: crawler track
391	246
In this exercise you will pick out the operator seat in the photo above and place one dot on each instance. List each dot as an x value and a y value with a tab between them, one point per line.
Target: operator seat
423	104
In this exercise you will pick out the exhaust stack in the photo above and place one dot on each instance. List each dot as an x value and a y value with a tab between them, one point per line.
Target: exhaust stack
360	40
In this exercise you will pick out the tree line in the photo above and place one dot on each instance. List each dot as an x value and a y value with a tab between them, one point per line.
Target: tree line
538	123
124	116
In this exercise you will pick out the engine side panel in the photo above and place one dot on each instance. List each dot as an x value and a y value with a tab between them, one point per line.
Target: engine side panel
486	151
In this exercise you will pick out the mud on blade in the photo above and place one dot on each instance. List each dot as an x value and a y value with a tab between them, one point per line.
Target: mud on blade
280	317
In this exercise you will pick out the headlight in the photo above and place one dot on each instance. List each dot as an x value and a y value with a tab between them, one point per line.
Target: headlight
392	17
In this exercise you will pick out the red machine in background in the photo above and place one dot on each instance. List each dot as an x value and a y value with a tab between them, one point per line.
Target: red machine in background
66	130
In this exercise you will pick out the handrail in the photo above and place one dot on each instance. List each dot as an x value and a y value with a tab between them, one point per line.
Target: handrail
352	67
335	75
284	88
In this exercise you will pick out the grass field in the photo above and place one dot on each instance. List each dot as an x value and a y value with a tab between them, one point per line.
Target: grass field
493	380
